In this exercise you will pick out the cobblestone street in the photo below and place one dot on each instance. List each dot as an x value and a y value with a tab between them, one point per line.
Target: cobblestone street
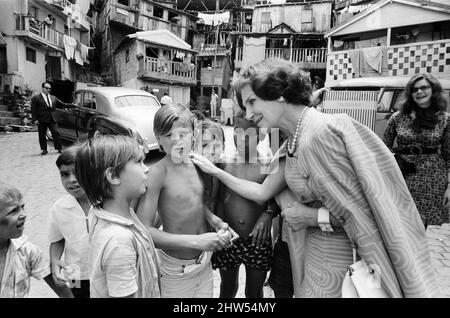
22	165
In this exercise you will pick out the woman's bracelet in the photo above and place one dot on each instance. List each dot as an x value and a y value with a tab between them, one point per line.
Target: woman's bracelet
323	219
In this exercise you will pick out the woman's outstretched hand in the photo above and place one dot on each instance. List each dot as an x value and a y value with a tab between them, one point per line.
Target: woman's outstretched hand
204	164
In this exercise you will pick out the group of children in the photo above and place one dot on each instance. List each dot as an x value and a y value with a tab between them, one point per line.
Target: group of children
130	231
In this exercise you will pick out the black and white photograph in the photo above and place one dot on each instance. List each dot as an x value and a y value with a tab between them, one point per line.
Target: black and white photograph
226	155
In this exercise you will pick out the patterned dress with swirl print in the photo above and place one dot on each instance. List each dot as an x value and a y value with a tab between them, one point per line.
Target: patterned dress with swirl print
327	255
347	167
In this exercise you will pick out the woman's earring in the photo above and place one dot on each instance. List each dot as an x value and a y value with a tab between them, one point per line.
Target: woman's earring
281	99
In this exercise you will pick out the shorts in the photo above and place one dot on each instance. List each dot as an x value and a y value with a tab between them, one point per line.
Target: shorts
280	279
182	278
244	252
80	289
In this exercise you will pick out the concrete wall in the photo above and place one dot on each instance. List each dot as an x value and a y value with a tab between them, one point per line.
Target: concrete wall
33	73
7	21
11	53
126	71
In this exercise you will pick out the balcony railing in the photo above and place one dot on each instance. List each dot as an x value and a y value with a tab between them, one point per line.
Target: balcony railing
213	28
74	11
245	28
129	18
150	23
308	57
39	30
167	70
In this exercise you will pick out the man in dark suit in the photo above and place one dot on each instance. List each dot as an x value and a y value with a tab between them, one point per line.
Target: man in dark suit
42	107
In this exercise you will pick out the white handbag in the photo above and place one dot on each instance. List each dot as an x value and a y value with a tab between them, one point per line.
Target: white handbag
362	281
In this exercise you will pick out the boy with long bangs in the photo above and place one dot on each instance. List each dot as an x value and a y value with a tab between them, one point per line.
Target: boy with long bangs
122	256
20	259
251	221
177	194
69	229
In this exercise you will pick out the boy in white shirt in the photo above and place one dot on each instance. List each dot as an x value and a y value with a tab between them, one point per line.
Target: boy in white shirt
122	256
69	230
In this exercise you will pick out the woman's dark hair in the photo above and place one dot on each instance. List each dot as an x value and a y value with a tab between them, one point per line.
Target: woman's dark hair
95	156
438	99
275	78
425	118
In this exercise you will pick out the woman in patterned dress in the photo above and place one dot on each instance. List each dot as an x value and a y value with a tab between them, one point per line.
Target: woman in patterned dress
422	129
340	164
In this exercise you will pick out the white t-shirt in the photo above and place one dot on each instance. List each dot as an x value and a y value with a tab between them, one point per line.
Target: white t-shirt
69	222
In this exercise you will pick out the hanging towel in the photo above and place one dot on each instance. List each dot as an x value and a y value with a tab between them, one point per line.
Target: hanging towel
69	46
371	57
355	60
253	50
207	18
78	58
84	52
221	18
215	19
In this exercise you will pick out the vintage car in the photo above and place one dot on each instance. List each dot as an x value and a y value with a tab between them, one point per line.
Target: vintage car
382	92
110	110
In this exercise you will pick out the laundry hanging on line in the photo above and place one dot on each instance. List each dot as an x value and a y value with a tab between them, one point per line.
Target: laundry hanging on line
216	18
69	46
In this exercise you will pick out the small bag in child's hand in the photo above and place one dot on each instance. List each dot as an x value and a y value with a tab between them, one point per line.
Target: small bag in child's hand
362	281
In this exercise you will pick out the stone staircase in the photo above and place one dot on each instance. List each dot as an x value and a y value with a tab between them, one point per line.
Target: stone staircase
7	117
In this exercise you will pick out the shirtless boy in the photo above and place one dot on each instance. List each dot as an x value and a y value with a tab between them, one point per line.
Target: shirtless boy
251	221
176	193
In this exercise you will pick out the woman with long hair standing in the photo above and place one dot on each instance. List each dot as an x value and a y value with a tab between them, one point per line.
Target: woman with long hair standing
422	129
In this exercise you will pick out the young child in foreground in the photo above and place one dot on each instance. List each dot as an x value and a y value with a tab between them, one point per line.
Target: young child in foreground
251	221
20	259
69	230
122	256
176	193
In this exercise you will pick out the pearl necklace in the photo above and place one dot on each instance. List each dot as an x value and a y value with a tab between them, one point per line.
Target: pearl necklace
292	142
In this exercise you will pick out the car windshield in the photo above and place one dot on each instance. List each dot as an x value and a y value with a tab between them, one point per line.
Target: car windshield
135	101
